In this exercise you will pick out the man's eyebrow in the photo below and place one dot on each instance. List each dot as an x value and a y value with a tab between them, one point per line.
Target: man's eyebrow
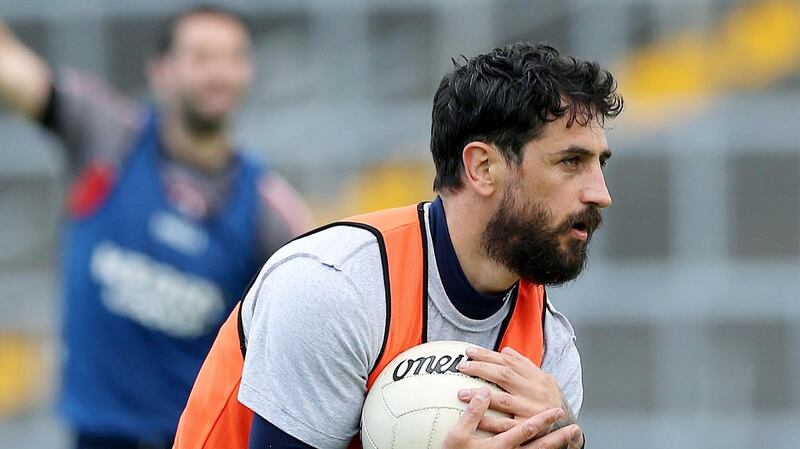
575	150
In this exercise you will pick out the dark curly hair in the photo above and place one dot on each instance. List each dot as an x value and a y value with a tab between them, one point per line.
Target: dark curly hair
506	96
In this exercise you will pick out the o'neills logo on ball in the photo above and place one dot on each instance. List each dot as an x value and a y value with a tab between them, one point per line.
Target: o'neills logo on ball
430	364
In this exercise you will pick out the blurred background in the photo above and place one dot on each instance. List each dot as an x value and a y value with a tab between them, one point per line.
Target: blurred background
688	318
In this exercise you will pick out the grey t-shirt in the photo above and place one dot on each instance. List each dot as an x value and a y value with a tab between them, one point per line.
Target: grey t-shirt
314	324
97	123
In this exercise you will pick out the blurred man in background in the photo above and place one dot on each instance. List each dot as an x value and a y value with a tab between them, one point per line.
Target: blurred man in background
166	221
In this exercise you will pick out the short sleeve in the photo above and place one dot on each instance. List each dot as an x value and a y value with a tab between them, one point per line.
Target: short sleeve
562	359
311	342
284	216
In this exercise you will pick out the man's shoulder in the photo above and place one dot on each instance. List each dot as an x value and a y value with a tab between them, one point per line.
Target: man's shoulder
285	213
338	263
91	97
336	245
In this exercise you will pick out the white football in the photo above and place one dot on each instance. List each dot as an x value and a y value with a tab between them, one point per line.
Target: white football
414	401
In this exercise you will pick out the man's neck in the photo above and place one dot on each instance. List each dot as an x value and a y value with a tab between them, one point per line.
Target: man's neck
465	224
207	152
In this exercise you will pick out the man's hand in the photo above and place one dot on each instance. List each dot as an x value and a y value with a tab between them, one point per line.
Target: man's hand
528	389
532	433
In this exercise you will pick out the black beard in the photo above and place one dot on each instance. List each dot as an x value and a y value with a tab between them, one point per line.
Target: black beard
517	237
198	123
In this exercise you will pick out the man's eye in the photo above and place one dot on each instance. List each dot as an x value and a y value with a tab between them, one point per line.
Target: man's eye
570	161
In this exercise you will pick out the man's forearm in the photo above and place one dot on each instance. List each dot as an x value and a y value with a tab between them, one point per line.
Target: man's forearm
24	76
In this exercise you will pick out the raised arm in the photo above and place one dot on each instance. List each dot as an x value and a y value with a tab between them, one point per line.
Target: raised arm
91	118
25	78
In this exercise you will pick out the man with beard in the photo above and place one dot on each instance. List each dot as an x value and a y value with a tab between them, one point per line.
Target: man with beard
166	222
519	146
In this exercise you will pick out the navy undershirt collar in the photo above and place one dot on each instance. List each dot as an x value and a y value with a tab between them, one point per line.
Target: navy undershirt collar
468	301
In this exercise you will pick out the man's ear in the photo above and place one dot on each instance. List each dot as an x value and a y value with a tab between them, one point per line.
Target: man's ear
481	163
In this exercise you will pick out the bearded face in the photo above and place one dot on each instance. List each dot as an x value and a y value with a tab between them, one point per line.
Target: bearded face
206	73
522	237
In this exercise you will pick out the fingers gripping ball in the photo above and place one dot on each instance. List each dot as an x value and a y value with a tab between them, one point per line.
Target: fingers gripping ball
414	401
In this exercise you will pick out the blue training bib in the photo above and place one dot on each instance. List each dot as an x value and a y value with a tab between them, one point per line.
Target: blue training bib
146	289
